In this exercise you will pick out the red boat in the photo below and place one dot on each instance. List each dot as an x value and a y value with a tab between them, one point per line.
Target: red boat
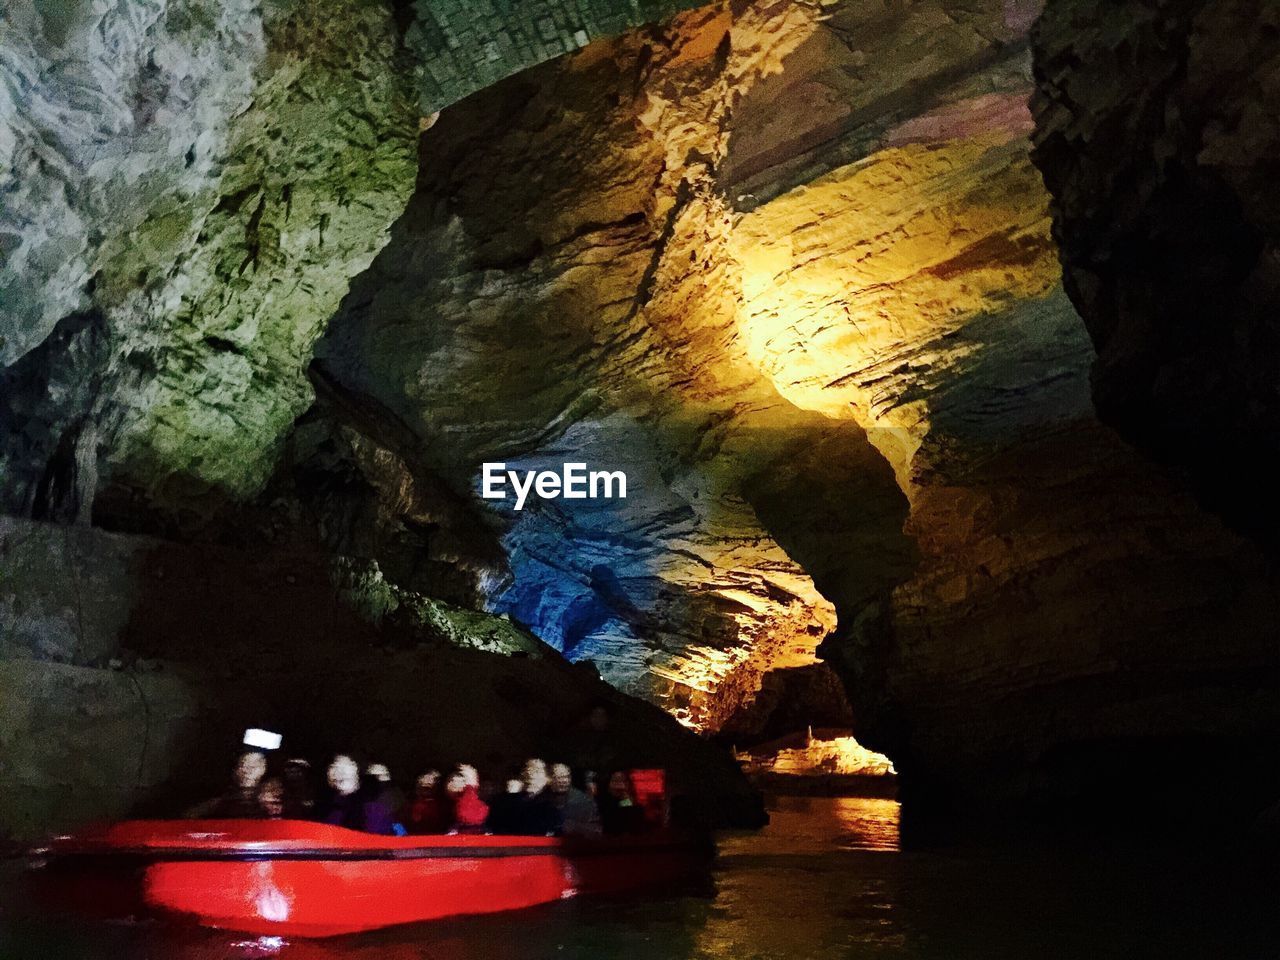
302	879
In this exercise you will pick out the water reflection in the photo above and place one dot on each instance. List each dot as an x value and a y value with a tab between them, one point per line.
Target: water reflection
825	881
806	825
808	885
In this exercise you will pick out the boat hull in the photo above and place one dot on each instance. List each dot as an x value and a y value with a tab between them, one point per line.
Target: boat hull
292	878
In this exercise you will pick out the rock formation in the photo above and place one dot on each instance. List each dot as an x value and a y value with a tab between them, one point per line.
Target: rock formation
206	178
600	320
789	266
1156	132
763	221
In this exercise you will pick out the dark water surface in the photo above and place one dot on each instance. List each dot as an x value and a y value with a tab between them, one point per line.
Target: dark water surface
825	880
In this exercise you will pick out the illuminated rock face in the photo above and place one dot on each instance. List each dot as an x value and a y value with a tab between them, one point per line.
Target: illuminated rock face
1066	593
812	303
188	188
733	258
789	266
562	286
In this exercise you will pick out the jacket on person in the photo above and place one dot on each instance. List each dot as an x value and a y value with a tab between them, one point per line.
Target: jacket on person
579	815
469	811
525	814
426	814
343	810
621	816
378	816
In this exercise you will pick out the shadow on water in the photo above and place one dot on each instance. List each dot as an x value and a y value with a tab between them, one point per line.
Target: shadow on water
826	880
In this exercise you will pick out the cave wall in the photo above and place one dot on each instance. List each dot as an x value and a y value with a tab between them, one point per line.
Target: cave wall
204	179
600	320
791	266
1157	135
188	188
829	229
464	46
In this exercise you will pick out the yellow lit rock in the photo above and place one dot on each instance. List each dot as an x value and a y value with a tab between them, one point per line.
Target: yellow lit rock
856	282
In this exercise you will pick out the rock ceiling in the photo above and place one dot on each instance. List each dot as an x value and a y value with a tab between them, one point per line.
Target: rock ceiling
746	303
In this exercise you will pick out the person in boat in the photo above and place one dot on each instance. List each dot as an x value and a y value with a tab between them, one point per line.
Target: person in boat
469	811
383	801
533	812
271	805
541	816
344	806
241	799
299	795
579	815
619	812
504	808
426	812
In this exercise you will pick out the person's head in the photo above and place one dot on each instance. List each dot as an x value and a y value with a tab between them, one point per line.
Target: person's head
561	777
251	767
379	772
344	775
427	782
589	784
620	785
271	797
296	769
515	785
462	777
534	775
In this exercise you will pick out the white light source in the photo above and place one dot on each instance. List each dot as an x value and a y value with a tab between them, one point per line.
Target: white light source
262	739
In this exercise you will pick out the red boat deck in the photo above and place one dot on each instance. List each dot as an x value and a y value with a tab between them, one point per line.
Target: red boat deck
296	878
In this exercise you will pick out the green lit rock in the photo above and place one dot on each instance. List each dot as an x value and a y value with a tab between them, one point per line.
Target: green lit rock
318	168
362	586
225	169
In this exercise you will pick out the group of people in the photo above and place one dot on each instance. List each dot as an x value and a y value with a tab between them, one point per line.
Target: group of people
541	801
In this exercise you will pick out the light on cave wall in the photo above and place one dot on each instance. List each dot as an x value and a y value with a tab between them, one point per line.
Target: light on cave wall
709	682
855	290
855	286
820	756
843	295
699	675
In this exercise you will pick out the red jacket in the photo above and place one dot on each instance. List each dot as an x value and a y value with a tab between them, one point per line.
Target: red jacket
427	815
469	811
